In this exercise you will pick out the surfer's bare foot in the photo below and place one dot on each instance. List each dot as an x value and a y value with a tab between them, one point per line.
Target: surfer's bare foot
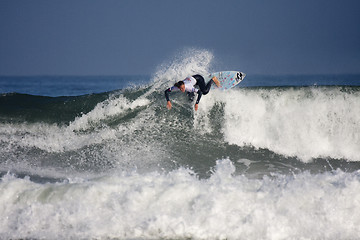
216	81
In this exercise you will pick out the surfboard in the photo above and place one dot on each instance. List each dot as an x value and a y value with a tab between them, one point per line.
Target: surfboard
228	79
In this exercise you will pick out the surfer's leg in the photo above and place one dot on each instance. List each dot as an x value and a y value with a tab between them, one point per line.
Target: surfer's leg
205	88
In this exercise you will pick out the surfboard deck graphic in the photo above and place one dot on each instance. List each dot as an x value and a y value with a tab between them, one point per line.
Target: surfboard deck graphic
228	79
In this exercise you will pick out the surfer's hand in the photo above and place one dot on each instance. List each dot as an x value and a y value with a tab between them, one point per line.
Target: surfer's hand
168	105
196	107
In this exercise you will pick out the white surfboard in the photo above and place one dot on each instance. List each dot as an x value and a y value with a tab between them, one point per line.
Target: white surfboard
228	79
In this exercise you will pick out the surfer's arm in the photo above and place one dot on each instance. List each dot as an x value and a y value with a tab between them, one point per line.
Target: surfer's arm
199	96
198	99
167	91
167	94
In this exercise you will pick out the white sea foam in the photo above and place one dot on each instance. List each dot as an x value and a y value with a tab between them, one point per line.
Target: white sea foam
303	123
179	205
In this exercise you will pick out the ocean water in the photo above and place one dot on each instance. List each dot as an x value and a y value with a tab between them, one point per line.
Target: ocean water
100	157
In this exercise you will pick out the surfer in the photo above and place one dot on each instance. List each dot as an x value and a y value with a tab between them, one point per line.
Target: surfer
187	85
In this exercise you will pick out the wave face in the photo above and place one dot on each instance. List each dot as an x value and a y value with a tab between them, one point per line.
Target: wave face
303	123
251	163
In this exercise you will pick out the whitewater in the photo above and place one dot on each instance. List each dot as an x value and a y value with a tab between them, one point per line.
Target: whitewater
260	161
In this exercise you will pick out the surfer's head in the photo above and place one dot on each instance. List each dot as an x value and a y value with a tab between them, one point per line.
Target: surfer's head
180	85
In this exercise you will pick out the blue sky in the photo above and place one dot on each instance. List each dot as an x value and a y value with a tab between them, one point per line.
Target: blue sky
115	37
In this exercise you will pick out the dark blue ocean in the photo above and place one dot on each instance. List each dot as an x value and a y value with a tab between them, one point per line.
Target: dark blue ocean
101	157
80	85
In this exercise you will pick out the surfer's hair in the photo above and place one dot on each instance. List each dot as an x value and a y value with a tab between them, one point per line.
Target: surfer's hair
179	83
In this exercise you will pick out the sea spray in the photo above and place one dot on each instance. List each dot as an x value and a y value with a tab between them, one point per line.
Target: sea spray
189	61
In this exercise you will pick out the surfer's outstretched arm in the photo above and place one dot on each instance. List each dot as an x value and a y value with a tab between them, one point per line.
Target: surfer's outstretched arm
168	104
167	94
199	97
177	86
198	100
